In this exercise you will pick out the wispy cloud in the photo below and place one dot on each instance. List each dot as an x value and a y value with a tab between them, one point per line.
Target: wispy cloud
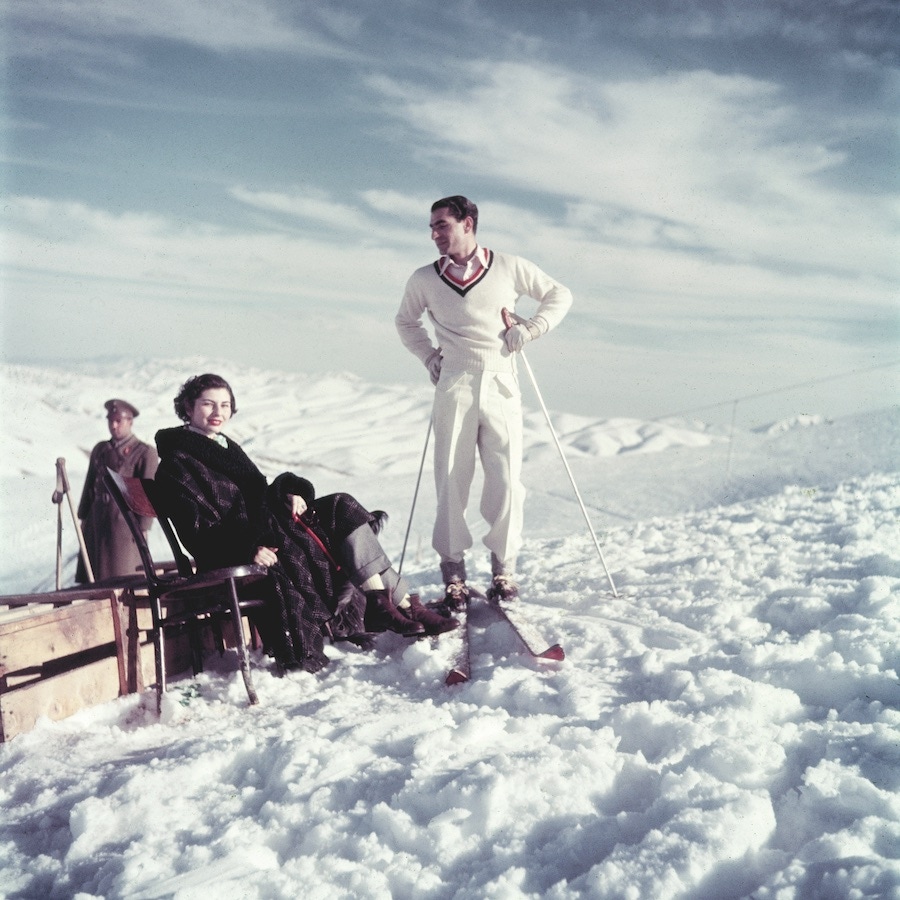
77	242
714	163
866	25
227	25
313	206
371	219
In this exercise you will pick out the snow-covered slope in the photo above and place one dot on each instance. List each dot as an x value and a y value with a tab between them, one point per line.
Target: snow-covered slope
725	728
347	434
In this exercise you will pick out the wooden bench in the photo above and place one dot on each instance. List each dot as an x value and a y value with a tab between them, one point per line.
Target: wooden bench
61	652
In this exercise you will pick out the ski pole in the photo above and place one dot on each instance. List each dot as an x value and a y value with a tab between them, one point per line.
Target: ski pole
66	489
57	500
415	495
508	321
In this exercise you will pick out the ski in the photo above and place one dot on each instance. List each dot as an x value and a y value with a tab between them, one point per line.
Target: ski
461	669
520	622
529	635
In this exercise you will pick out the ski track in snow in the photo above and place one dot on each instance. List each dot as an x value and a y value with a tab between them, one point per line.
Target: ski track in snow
727	727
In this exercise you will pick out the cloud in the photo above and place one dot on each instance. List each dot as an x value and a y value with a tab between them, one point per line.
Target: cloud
404	206
81	281
719	164
312	205
86	281
374	218
317	250
624	266
223	26
869	25
157	256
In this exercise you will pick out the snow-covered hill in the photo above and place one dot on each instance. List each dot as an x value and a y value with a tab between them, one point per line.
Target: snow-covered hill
726	728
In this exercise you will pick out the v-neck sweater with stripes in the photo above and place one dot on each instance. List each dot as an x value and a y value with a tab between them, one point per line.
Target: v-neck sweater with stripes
466	315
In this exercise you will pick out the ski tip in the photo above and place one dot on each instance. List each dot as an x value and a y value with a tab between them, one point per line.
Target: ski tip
454	676
555	652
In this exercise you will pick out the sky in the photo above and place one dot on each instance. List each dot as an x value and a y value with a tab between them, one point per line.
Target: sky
716	182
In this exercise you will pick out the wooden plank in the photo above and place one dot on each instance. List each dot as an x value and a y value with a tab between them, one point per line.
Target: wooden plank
134	670
58	697
65	596
120	628
63	632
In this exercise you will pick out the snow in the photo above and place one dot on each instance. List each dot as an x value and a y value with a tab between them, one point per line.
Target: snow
727	727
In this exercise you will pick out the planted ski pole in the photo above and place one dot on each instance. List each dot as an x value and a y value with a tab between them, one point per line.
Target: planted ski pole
58	499
509	321
63	479
415	496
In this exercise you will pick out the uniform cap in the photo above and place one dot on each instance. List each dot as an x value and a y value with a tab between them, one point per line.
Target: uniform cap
120	408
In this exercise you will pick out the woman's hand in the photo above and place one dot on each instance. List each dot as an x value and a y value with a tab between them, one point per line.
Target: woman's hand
266	556
297	505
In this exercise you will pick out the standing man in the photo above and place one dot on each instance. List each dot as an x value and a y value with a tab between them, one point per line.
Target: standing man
110	546
477	403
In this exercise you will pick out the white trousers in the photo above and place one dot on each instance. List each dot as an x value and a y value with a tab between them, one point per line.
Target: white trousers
478	412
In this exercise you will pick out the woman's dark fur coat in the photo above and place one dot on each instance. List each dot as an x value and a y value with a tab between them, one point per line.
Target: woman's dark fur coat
223	510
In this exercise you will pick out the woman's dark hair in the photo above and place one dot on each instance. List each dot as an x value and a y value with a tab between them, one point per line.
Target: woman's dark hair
460	207
193	388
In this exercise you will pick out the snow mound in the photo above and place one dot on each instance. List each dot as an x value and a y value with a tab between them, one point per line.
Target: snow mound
802	421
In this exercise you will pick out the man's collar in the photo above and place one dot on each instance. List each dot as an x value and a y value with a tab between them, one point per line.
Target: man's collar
480	254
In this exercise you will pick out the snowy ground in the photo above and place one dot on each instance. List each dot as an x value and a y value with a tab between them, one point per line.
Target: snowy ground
728	727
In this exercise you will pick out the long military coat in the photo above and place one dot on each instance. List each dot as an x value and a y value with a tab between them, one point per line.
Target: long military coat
110	546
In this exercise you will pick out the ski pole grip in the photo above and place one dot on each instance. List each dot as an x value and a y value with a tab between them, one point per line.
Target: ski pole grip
507	318
61	474
60	491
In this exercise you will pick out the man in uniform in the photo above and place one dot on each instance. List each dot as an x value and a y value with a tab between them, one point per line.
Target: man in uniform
111	548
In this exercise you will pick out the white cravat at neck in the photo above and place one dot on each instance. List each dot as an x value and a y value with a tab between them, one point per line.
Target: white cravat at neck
220	439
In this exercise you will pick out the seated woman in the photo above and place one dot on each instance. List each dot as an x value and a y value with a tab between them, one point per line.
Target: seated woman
328	572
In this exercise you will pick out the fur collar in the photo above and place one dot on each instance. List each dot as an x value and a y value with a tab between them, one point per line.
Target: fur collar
230	461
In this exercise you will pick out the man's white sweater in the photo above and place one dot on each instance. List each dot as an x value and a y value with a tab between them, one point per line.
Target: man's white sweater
467	315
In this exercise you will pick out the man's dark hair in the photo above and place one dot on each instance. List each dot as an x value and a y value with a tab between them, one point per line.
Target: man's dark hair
193	388
460	207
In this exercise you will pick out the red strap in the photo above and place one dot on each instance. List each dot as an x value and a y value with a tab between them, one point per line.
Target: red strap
318	540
